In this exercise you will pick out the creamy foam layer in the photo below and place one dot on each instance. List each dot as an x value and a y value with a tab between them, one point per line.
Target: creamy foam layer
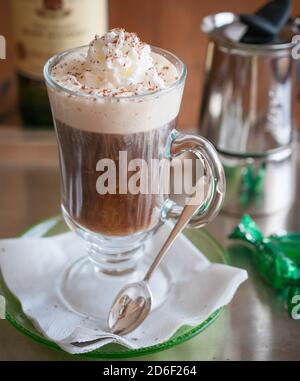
116	64
117	85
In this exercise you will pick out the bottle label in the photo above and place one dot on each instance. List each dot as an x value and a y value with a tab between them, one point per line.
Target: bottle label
46	27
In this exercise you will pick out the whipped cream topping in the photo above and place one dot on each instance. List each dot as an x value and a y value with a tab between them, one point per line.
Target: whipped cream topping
116	64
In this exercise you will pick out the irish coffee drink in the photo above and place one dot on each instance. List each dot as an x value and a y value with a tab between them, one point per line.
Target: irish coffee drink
115	105
113	111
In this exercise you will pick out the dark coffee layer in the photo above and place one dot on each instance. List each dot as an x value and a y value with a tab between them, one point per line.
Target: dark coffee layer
110	214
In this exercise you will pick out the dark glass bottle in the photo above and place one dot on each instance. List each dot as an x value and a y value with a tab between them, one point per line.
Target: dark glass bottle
42	29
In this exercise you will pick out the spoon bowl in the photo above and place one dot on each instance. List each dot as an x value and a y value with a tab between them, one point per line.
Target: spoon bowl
130	308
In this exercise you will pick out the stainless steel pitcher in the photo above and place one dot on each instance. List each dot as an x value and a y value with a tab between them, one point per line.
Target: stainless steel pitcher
248	113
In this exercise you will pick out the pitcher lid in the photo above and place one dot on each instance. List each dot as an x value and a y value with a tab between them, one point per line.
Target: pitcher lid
227	29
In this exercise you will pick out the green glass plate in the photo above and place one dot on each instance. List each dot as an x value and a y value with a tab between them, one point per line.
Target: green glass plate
14	314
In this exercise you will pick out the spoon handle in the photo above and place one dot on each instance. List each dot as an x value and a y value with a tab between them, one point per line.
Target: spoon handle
183	220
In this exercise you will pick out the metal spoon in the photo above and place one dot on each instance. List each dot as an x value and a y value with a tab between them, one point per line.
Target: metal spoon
133	303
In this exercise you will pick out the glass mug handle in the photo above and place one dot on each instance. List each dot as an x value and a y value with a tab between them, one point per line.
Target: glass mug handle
209	208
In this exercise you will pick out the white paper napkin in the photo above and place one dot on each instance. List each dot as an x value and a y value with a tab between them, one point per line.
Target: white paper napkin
32	268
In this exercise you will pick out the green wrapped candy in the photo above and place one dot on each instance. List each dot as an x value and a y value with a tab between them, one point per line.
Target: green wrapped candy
289	243
252	183
276	257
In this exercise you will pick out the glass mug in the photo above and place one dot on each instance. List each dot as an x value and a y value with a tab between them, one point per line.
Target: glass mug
94	132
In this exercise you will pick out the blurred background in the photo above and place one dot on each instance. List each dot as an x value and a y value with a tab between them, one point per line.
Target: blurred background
170	24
